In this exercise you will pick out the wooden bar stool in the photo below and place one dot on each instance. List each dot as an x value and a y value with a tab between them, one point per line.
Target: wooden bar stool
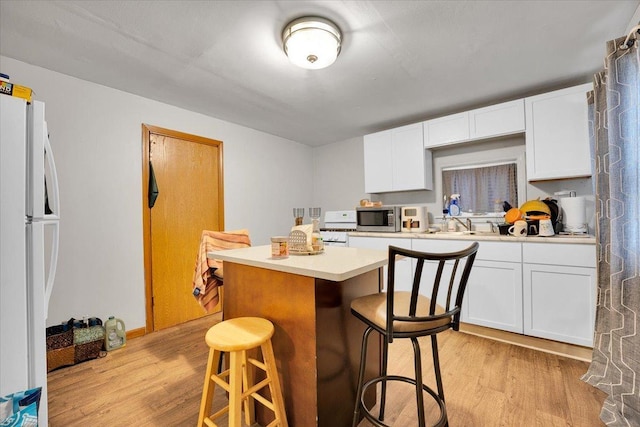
236	337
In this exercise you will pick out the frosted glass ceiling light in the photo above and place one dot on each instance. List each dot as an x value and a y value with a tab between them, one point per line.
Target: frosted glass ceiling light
311	42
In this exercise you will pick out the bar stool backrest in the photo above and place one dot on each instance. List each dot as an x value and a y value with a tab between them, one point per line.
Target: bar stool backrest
442	278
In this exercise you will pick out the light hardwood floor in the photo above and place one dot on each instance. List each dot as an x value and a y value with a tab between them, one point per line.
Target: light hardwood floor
156	380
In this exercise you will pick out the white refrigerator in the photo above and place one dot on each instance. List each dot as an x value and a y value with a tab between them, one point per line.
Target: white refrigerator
29	235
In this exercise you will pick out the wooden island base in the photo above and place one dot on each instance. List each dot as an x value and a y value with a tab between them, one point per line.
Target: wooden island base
316	342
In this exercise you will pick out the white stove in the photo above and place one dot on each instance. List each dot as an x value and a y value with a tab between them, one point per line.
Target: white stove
337	225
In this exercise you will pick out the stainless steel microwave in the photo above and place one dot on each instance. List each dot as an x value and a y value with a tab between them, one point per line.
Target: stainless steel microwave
381	219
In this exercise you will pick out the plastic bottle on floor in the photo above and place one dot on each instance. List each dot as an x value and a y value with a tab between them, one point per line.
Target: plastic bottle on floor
115	334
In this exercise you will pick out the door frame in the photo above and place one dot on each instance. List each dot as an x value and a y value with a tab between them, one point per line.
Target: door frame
147	130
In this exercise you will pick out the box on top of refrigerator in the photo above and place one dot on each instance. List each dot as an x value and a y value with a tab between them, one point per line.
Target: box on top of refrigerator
8	88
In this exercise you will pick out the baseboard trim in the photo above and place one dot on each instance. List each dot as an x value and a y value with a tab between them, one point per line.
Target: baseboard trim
135	333
548	346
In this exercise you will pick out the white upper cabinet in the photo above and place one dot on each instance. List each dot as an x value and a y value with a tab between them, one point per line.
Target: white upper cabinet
378	168
557	136
488	122
497	120
446	130
395	160
555	124
408	155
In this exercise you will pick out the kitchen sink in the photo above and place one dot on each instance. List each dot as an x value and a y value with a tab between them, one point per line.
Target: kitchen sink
467	233
481	233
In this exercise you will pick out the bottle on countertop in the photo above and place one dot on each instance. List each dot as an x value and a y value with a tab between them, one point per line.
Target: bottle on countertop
445	213
317	242
497	206
454	206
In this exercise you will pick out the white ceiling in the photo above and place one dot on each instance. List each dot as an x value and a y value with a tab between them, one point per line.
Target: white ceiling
401	61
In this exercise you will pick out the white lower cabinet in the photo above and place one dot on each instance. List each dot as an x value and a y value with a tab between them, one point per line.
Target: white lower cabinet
403	267
430	268
559	299
545	290
493	297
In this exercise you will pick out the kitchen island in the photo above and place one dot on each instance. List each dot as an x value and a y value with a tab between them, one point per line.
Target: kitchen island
317	340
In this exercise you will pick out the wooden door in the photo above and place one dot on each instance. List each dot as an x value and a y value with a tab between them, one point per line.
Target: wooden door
188	173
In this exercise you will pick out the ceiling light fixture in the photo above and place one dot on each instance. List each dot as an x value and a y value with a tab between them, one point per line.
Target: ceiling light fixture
311	42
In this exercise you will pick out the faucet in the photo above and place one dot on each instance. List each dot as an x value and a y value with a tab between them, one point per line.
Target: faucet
466	225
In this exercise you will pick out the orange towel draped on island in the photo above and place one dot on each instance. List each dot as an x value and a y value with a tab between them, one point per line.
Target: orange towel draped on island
208	274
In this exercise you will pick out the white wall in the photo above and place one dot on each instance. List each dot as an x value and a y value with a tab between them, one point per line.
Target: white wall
96	137
339	175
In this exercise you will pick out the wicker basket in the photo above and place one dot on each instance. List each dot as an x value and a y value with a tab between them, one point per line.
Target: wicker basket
85	335
60	357
58	337
88	350
73	343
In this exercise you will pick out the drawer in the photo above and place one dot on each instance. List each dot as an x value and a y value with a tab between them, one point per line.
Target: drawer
500	251
559	254
488	251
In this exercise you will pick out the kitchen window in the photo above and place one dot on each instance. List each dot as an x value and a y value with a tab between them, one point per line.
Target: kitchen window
481	187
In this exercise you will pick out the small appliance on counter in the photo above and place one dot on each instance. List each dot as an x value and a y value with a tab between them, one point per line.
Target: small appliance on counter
384	219
533	211
574	213
337	225
414	219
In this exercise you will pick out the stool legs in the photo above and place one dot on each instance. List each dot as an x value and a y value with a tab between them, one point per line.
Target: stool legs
418	383
274	384
235	388
383	374
209	386
242	388
436	365
363	362
247	380
417	361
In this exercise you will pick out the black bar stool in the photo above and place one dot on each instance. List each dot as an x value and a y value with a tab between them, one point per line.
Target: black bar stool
411	314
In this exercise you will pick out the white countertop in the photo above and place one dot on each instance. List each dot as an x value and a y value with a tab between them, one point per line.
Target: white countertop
336	263
575	239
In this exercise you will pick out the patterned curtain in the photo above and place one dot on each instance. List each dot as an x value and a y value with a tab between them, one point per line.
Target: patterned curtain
615	109
481	186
